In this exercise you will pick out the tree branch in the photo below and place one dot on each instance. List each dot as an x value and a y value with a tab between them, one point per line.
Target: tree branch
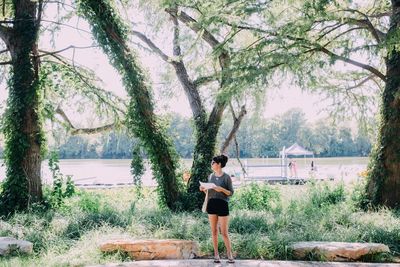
96	130
66	25
341	34
192	24
251	28
7	21
95	90
177	51
5	34
331	29
6	63
39	15
76	131
353	62
61	112
153	47
380	15
235	127
61	3
205	80
224	59
378	35
181	72
232	111
189	87
238	156
369	77
235	140
46	53
141	46
366	24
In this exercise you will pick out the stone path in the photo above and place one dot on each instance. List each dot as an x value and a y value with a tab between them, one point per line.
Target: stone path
245	263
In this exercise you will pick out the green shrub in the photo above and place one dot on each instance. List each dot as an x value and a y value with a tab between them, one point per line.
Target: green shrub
248	223
59	191
253	246
69	187
256	197
156	218
359	194
322	194
87	221
89	202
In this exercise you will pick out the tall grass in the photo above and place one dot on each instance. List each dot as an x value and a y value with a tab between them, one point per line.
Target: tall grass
264	221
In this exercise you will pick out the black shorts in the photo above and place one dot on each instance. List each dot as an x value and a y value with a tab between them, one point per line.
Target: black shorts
218	207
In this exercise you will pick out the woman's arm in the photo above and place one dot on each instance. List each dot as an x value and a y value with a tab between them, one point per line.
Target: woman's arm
223	190
227	191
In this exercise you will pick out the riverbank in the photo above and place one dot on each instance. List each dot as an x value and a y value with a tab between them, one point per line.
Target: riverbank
116	172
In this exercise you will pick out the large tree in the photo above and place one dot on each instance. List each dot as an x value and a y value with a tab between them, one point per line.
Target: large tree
206	125
22	126
34	73
346	50
111	34
384	175
201	60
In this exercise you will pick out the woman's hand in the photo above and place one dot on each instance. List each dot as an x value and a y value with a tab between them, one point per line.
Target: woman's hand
202	188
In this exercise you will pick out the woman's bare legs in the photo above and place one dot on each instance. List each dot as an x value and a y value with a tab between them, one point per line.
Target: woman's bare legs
213	218
224	223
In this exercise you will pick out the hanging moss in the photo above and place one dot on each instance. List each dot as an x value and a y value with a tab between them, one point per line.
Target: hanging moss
112	35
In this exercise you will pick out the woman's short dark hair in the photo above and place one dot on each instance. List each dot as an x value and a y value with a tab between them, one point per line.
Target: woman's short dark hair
221	159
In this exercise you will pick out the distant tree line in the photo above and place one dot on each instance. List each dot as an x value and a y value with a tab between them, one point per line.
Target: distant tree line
256	138
266	137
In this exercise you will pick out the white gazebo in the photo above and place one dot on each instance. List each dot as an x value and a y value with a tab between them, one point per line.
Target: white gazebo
293	150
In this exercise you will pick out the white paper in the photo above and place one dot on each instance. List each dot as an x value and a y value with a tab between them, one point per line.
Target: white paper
208	185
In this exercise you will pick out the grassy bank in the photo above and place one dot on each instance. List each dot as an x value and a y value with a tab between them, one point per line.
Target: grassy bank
264	220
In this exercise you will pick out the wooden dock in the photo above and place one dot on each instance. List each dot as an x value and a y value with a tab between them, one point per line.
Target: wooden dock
279	180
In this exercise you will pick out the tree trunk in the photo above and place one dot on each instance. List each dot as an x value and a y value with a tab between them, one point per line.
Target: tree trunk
111	34
383	186
204	150
23	126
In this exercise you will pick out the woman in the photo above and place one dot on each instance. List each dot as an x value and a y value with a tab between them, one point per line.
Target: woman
217	206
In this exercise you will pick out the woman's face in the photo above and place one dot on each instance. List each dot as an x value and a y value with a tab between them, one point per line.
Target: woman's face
215	166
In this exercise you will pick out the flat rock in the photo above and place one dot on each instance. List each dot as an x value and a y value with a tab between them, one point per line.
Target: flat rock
10	244
153	249
336	251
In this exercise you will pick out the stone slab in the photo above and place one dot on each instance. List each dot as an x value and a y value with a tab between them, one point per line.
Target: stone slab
10	244
154	249
336	251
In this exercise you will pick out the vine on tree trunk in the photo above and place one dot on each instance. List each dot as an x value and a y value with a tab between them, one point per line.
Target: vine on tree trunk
112	35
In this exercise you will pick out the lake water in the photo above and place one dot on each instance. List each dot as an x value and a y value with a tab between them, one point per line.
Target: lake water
89	172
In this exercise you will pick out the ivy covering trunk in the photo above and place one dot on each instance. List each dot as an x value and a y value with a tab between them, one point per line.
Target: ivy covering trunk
112	35
383	186
22	128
